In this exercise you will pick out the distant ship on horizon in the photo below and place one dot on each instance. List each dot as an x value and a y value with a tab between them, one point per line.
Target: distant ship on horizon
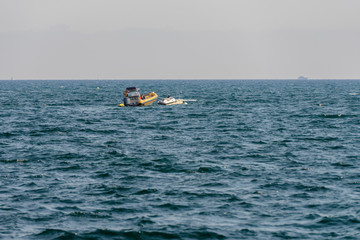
302	78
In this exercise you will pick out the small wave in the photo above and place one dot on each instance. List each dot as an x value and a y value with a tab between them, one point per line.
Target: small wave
129	234
69	156
287	235
301	195
96	214
339	115
166	128
146	191
161	137
248	232
103	189
214	184
99	131
172	206
337	147
55	234
244	129
144	221
234	198
204	234
67	168
353	157
314	188
122	210
259	142
342	164
168	168
339	220
48	129
7	134
102	175
116	153
13	160
197	115
147	127
29	185
209	169
207	194
256	156
319	139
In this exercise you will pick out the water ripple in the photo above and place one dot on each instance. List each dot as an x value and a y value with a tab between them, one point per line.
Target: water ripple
248	160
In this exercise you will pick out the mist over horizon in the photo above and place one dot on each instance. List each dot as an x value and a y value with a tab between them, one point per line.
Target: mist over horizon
179	39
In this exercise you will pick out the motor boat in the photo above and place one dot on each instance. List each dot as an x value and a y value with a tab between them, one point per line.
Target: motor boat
170	101
133	97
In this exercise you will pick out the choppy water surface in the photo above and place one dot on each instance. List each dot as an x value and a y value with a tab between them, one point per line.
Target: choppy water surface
248	160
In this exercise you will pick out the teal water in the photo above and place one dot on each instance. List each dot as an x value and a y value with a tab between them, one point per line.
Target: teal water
248	160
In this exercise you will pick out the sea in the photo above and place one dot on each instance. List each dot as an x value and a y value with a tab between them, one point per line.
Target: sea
249	159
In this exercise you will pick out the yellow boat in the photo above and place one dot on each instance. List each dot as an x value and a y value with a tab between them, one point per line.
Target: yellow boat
132	97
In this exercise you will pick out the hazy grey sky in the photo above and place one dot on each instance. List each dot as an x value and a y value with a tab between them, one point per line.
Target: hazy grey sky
126	39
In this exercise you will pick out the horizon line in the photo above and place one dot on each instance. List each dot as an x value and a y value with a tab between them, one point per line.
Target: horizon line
170	79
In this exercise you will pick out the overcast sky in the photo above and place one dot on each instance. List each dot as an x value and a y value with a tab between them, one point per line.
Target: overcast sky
179	39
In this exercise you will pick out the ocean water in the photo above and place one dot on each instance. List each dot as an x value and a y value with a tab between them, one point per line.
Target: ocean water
250	159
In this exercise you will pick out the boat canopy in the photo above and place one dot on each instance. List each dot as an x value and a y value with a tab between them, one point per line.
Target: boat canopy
132	89
134	94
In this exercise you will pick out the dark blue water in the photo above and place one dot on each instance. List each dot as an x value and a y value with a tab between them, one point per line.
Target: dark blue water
248	160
